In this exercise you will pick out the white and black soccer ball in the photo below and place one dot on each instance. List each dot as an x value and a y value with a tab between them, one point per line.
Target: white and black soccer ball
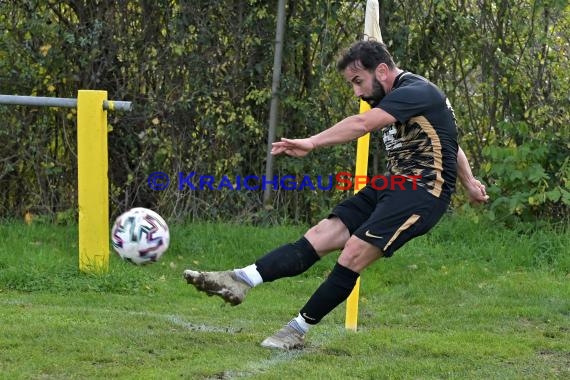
140	236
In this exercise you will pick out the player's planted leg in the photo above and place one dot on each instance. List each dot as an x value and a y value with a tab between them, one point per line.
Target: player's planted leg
334	290
356	256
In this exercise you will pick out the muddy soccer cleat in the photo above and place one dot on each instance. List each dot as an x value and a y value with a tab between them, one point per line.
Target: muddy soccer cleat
223	284
285	339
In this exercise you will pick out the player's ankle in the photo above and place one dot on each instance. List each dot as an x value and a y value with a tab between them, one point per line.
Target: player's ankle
249	275
299	324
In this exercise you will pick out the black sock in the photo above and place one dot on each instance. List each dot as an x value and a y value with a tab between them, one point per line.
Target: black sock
332	292
287	261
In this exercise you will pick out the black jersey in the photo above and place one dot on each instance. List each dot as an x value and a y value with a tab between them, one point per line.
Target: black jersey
423	141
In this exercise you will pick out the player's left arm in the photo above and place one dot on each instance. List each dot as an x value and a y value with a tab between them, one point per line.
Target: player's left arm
476	190
346	130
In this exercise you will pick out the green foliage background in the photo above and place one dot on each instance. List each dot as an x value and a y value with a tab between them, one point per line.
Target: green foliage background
199	74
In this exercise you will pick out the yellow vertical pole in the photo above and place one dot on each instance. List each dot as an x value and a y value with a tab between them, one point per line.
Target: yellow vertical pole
362	149
371	30
92	164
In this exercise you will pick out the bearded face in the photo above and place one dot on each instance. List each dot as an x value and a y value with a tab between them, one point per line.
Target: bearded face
377	94
364	82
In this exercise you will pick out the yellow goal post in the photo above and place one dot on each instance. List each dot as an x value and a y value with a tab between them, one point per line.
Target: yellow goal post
92	166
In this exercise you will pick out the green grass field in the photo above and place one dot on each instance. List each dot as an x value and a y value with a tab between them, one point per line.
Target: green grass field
468	301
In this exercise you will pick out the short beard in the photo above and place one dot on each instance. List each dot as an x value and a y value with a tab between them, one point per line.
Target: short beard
378	94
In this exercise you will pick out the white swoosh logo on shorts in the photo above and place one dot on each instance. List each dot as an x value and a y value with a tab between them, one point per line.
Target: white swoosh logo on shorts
367	233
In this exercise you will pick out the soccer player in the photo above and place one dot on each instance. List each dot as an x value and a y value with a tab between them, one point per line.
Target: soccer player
420	136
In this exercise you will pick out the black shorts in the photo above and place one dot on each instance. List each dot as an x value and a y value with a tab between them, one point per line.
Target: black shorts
388	218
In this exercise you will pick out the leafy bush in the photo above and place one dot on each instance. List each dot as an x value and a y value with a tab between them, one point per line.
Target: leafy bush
528	181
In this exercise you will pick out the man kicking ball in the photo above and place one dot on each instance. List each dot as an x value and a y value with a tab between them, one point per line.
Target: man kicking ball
420	136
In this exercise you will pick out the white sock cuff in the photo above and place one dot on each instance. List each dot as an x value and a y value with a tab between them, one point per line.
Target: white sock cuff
252	274
302	323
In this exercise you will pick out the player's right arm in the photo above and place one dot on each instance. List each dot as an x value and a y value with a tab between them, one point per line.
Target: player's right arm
346	130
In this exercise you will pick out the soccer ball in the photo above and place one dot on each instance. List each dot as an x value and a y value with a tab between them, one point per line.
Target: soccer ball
140	236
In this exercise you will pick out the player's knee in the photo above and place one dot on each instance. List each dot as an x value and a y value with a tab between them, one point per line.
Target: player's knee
322	225
330	228
358	254
349	255
328	234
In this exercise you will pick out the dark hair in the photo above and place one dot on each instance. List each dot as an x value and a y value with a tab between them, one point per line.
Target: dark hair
369	53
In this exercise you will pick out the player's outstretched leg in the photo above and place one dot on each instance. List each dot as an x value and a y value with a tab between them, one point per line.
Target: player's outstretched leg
232	286
226	284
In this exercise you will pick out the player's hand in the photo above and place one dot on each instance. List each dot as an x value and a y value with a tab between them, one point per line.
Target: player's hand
477	192
292	147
